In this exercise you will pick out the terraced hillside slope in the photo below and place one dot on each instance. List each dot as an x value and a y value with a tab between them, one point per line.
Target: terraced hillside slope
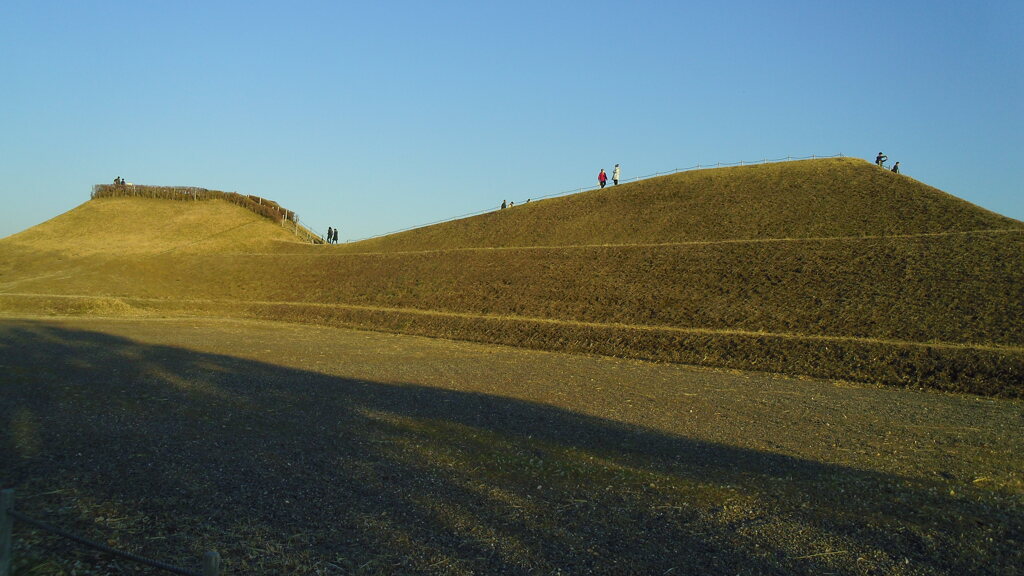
829	268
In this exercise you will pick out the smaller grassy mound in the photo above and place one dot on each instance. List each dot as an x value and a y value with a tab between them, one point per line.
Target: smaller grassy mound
127	226
122	230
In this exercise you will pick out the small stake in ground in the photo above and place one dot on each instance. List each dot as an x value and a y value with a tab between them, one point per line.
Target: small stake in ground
6	527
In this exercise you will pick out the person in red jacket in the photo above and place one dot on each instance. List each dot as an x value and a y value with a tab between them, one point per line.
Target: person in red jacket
602	178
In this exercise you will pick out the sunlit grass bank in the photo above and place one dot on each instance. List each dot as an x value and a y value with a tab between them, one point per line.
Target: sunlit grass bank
829	268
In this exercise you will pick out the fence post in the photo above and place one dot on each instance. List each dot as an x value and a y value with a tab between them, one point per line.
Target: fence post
6	528
211	564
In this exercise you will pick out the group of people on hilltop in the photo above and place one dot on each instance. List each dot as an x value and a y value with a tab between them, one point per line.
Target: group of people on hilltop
880	161
332	235
118	181
602	178
510	203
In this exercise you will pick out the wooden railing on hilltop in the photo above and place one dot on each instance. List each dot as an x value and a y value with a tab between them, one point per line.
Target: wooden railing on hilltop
266	208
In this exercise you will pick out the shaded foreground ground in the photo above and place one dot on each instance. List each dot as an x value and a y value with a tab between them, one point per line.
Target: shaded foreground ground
309	450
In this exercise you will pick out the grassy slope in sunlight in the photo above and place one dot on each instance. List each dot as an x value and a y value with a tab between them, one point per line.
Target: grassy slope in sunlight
830	268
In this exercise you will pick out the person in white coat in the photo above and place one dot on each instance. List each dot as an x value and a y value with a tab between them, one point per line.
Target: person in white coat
615	175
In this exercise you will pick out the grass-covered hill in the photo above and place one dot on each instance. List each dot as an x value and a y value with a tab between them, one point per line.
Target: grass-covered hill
830	268
134	226
807	199
53	257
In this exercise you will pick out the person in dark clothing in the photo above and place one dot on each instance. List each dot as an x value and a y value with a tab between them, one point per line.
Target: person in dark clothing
504	205
880	159
335	240
896	167
330	234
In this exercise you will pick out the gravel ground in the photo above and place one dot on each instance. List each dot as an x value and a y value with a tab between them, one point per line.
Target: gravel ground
307	450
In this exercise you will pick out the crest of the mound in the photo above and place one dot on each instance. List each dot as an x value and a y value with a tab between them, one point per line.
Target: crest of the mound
830	198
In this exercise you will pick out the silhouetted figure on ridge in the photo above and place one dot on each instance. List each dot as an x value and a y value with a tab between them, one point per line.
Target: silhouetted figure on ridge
880	159
896	168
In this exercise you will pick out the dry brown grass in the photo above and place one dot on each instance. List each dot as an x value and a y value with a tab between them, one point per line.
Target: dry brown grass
309	450
831	268
144	226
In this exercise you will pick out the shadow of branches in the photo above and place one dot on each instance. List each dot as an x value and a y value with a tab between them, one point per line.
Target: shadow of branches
168	452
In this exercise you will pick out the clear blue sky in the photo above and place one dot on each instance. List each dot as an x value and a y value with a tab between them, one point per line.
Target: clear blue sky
375	116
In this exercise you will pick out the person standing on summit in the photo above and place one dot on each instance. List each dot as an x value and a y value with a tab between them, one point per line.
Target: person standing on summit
602	178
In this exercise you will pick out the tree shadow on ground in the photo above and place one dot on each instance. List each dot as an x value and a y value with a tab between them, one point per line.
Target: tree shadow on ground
168	452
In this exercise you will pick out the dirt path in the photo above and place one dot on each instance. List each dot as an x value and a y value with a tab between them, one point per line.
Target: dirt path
774	240
310	450
190	304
